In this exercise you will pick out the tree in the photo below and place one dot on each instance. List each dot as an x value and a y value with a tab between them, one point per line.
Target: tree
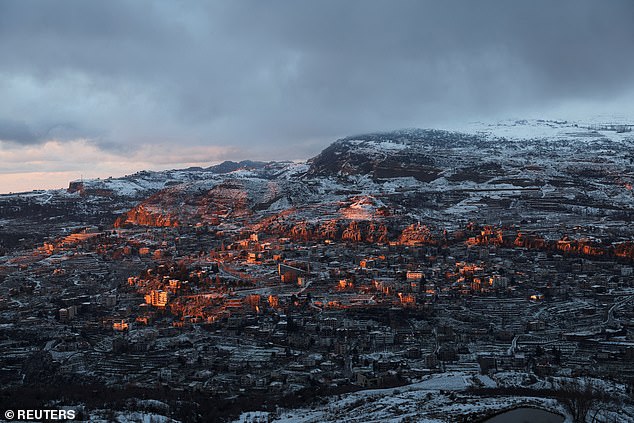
579	397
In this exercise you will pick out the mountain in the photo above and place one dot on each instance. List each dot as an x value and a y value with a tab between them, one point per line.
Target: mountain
428	174
229	166
385	155
519	172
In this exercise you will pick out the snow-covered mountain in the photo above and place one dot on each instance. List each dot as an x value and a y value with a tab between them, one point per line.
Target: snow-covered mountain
504	172
515	172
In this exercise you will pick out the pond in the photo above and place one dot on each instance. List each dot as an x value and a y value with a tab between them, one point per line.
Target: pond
526	415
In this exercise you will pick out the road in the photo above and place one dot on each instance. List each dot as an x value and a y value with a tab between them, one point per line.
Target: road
616	305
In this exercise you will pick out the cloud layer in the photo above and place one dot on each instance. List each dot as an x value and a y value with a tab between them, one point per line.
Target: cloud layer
280	79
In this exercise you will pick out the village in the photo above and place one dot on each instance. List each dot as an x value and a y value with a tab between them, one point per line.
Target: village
244	313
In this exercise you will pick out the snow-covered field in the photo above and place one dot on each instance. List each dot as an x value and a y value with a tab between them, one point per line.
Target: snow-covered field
440	398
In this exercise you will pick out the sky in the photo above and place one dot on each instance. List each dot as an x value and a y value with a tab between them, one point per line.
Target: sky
106	88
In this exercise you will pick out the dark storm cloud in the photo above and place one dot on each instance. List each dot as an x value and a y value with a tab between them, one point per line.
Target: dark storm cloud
17	132
284	77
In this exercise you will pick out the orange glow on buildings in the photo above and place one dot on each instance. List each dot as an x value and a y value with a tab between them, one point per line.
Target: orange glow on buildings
345	284
157	298
273	301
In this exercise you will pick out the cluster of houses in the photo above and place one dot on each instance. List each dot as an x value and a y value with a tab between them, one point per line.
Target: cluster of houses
258	313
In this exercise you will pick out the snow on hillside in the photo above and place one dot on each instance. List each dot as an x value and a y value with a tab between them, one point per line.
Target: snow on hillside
538	129
439	398
362	208
486	172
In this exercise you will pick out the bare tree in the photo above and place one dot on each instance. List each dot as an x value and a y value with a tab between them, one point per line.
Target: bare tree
579	397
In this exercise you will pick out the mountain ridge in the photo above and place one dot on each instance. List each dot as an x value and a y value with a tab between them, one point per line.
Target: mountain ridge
370	187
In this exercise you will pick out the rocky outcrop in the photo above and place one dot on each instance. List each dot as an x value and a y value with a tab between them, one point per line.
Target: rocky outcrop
140	215
530	241
352	232
301	232
330	230
416	234
76	186
388	155
377	232
333	229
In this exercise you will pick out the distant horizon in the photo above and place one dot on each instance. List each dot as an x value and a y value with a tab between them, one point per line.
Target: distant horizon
38	181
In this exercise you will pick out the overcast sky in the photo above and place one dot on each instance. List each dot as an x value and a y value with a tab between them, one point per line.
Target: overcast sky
100	88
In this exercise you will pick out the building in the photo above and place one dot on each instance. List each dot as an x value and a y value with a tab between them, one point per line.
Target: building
157	298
